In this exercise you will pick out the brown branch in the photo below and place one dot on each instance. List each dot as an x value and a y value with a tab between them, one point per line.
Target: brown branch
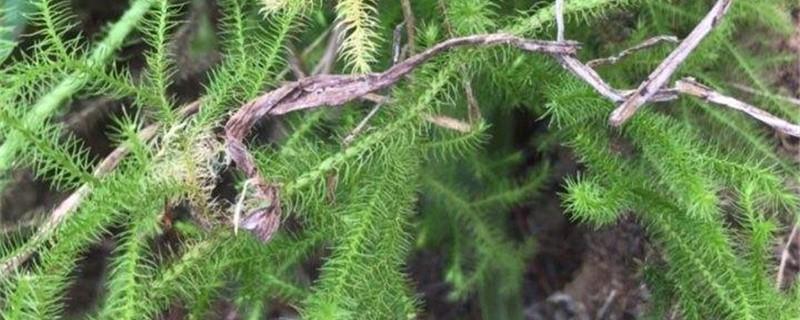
639	47
592	78
335	90
325	64
691	87
360	127
661	75
295	62
785	257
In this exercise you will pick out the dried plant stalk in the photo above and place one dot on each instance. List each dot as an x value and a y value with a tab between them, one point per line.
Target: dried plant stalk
661	75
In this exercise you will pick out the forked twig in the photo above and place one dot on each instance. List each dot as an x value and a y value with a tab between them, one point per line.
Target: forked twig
592	78
661	75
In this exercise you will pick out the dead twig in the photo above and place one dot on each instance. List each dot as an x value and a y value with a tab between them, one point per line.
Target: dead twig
335	90
591	77
601	313
360	127
296	63
639	47
691	87
379	102
785	257
325	64
449	123
473	108
661	75
307	51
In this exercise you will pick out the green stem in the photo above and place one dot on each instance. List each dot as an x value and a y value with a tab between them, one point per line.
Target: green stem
49	103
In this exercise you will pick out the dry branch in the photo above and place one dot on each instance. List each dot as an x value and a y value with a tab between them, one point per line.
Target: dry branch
691	87
661	75
785	257
639	47
449	123
335	90
328	59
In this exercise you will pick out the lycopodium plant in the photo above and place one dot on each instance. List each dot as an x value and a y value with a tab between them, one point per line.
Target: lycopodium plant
332	143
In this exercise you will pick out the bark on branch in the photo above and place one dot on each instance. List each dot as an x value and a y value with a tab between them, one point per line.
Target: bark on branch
661	75
335	90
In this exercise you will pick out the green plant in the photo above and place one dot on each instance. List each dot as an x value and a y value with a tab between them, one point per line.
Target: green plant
705	182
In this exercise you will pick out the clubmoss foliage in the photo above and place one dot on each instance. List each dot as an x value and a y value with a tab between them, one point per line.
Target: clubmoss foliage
707	183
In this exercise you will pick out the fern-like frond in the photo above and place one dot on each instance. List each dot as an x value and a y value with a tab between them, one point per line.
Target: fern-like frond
362	40
64	161
130	268
54	19
47	105
375	235
157	29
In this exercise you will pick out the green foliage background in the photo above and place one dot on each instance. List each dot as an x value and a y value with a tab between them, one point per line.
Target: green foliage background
707	183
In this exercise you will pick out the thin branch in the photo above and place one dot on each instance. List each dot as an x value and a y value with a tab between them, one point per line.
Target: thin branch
691	87
473	108
379	100
785	257
591	77
335	90
360	127
397	44
307	51
661	75
296	63
639	47
601	313
449	123
326	63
